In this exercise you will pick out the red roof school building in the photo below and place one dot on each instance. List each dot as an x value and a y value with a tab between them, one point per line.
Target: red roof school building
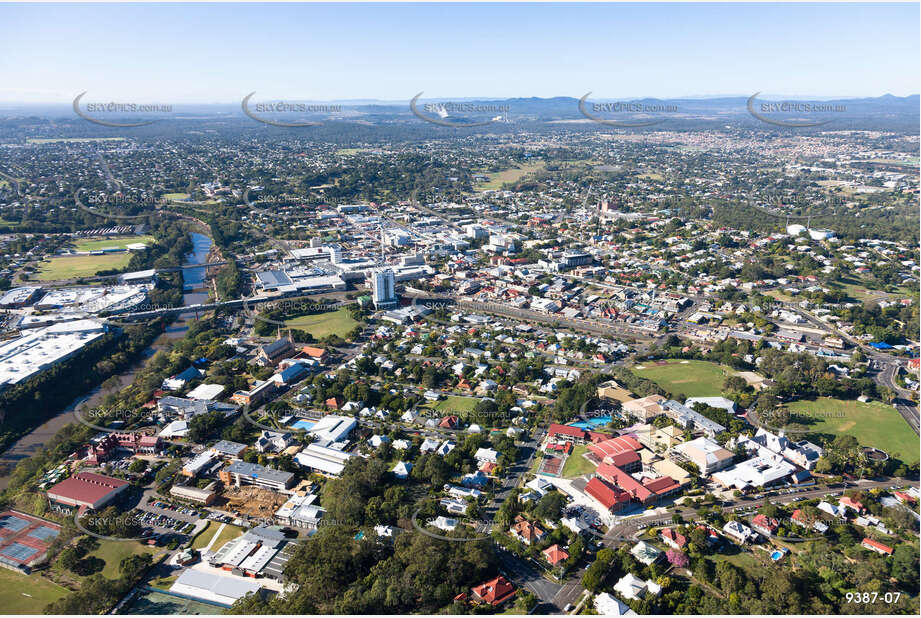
24	540
85	490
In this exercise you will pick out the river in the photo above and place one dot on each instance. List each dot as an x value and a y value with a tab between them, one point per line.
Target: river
194	292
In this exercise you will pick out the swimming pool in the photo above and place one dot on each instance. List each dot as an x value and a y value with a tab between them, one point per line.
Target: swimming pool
302	424
591	423
777	555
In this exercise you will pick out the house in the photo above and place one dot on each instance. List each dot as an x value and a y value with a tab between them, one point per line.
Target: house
446	447
633	588
449	422
526	532
484	455
851	503
555	554
377	441
876	546
606	605
402	469
673	539
765	525
645	553
494	592
455	507
739	531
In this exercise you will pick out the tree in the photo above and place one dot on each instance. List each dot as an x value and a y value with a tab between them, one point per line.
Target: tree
677	558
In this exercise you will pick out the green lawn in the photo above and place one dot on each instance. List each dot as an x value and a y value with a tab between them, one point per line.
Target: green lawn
203	537
104	243
576	464
229	532
455	405
873	424
692	378
27	594
176	196
114	551
320	325
72	267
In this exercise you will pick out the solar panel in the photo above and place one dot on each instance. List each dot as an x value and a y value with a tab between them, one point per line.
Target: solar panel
13	523
19	552
43	533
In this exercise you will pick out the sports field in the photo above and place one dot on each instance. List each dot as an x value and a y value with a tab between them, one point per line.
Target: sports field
873	424
96	244
72	267
320	325
693	378
176	196
27	594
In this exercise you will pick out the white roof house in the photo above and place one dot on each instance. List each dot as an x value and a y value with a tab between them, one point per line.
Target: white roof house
632	587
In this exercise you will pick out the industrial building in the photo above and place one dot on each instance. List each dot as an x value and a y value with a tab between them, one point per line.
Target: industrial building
25	356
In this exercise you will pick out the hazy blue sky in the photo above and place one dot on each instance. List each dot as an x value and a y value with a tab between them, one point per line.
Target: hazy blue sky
218	53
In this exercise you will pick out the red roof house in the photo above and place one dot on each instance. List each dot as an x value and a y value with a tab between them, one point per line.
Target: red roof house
876	546
555	554
673	538
495	592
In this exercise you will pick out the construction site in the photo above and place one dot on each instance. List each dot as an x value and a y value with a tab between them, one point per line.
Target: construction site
251	501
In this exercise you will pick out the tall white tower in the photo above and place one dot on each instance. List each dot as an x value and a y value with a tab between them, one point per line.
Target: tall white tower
383	286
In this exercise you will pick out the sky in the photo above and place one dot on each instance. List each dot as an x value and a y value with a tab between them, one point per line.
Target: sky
218	53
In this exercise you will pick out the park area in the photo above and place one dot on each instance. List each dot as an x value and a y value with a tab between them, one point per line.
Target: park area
27	594
872	423
692	378
321	325
74	267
